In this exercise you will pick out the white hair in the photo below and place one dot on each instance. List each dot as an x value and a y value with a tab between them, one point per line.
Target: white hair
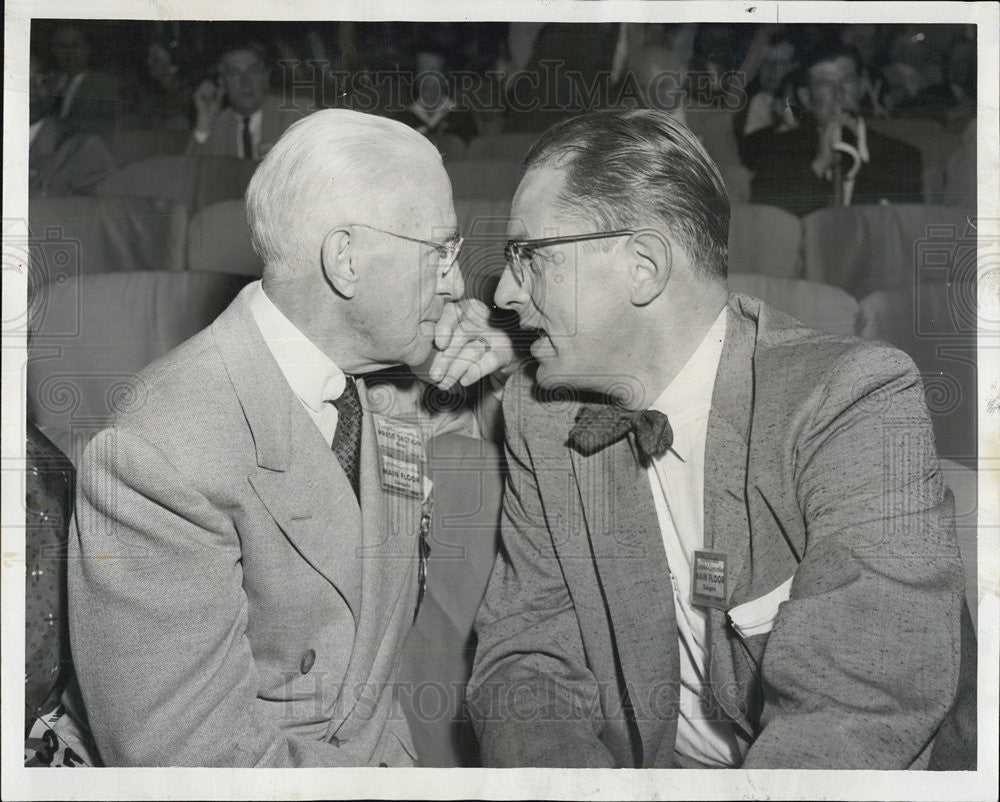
326	166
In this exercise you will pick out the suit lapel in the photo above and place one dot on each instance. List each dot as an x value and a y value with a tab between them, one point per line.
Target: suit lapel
726	514
635	578
299	480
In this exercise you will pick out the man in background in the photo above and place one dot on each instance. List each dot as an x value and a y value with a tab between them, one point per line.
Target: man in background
832	158
62	160
235	114
85	99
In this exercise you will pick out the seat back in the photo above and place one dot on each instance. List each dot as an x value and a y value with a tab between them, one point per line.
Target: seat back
494	179
935	323
91	334
195	181
219	241
764	240
132	144
109	235
170	177
510	147
818	306
874	247
437	657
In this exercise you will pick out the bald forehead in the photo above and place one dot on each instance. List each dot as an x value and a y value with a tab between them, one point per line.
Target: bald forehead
536	203
411	192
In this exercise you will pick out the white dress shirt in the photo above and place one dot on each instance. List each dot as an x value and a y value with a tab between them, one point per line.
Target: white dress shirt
312	375
677	480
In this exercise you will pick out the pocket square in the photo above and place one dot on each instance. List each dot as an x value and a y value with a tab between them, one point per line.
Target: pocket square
757	616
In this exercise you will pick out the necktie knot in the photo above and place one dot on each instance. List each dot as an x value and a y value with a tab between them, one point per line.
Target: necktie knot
599	426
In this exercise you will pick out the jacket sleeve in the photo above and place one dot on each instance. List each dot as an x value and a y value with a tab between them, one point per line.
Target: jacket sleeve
862	664
532	699
158	620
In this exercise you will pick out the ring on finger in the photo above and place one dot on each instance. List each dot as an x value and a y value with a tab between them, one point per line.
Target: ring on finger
485	343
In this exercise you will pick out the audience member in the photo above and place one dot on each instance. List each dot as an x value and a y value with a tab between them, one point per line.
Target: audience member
433	112
168	104
86	99
61	159
765	104
805	168
253	120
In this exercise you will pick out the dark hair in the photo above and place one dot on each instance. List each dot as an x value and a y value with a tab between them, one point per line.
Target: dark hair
629	167
829	51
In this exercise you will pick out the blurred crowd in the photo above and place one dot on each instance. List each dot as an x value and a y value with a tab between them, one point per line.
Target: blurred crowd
764	97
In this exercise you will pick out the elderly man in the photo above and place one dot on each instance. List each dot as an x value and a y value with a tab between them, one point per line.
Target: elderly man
725	538
250	535
252	121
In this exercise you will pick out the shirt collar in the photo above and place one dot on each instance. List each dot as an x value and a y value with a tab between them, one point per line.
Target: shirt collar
689	396
311	374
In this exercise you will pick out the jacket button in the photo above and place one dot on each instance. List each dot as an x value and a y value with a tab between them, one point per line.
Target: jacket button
335	741
307	661
383	765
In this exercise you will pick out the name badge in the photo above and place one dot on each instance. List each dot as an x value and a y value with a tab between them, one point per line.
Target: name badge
711	582
400	457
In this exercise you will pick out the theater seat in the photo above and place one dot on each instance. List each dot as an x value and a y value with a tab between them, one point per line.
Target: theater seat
170	177
764	240
91	334
818	306
109	235
484	178
935	323
132	144
219	241
437	656
195	181
866	248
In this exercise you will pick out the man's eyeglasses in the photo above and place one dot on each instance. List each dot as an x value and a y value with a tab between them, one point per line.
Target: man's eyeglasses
518	252
447	252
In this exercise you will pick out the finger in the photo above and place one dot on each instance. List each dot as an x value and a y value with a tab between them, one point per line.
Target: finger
444	329
457	361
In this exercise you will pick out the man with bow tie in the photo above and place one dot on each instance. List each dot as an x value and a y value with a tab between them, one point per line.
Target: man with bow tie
725	537
249	546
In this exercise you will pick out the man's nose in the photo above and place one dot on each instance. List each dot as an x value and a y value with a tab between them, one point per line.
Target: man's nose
509	293
452	283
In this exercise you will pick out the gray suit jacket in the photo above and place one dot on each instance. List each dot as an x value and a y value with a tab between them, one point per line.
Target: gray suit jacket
222	139
230	604
820	465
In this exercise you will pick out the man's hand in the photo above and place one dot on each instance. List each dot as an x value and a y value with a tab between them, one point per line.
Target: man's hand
207	103
831	135
468	346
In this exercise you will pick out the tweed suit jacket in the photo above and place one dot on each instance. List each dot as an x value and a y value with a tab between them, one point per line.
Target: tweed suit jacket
230	604
222	138
820	471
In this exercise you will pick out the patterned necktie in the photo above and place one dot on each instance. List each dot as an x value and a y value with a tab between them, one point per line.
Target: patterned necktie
247	139
347	438
600	426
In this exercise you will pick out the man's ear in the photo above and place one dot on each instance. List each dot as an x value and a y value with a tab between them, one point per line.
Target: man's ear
339	264
652	263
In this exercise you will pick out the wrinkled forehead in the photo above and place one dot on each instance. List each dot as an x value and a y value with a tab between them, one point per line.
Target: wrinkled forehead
410	192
